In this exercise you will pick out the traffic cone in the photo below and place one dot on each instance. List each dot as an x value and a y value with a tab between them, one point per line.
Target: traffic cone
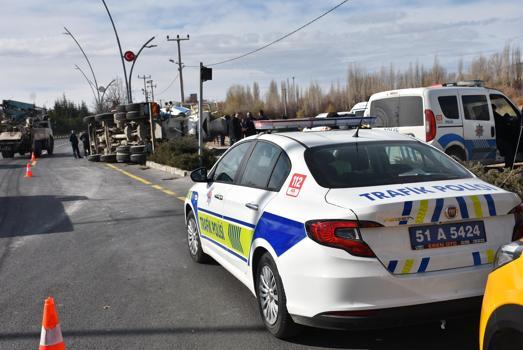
28	171
33	158
51	336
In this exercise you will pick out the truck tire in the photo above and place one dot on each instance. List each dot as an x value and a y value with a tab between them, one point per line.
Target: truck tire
138	158
120	116
89	119
123	157
8	154
123	149
93	157
108	158
136	107
38	148
120	108
137	149
50	146
104	117
135	115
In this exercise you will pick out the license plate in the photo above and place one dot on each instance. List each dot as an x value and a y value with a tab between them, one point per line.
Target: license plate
447	235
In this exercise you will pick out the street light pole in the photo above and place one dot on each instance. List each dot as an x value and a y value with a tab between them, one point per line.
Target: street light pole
88	81
180	67
121	53
146	45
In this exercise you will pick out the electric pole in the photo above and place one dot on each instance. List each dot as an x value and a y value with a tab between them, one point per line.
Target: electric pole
180	65
145	77
150	82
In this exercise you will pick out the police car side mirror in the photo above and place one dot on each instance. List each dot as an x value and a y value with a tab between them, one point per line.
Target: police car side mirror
199	175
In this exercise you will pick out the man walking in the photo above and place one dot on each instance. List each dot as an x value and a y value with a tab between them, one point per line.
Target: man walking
248	128
84	137
74	143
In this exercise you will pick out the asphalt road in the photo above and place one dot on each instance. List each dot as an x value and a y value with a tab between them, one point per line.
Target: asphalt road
111	249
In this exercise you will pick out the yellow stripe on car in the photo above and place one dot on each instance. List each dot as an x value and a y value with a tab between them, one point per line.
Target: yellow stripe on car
423	207
477	206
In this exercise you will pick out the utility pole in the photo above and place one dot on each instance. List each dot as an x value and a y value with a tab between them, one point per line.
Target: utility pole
180	64
150	82
145	77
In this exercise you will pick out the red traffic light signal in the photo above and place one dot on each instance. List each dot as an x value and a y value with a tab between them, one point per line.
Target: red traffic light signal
129	56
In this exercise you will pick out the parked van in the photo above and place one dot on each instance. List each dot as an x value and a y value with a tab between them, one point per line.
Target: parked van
465	120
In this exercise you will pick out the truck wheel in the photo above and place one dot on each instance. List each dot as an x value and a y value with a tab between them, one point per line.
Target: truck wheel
138	158
120	108
8	154
271	299
137	149
93	157
104	117
134	107
123	149
123	157
38	148
108	158
135	115
50	146
120	116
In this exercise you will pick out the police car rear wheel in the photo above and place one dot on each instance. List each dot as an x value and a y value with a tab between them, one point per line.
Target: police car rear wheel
272	301
193	241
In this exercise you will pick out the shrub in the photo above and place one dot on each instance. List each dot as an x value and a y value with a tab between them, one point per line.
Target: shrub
510	180
182	153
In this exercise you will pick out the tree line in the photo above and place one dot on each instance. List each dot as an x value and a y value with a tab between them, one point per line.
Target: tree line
502	70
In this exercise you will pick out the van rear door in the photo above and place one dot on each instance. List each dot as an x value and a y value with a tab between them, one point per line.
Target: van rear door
478	125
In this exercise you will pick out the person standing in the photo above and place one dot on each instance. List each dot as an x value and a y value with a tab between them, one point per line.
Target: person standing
248	128
84	137
261	115
74	143
235	129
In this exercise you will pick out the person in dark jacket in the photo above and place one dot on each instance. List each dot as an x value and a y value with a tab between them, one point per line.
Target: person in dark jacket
235	129
507	133
248	128
85	140
74	143
261	115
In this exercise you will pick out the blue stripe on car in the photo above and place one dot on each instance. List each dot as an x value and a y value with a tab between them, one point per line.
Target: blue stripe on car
491	205
424	264
407	207
281	233
463	207
437	210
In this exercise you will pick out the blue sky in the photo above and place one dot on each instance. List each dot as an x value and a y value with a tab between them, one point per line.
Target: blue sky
37	61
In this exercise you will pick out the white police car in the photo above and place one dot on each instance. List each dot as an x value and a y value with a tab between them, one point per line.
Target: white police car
335	230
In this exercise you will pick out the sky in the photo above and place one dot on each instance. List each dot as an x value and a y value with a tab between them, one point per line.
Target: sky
37	60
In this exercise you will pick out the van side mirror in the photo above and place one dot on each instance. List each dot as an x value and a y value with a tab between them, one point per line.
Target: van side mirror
199	175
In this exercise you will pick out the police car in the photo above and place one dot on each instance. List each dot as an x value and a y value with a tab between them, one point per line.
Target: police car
348	229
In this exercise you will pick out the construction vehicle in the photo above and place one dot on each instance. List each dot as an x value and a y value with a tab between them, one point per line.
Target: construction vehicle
24	128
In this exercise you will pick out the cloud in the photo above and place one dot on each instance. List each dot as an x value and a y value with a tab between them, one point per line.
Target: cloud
35	58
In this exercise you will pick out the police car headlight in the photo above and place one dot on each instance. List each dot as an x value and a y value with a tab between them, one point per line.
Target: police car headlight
342	234
508	253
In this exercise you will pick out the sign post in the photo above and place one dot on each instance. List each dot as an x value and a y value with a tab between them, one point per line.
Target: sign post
205	74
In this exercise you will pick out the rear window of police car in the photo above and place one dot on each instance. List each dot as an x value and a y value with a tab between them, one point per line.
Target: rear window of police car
361	164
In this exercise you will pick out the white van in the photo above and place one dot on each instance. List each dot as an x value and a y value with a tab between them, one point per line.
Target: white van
458	118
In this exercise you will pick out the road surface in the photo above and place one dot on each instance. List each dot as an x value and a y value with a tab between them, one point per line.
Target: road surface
108	243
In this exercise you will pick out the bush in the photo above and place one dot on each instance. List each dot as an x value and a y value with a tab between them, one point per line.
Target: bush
182	153
510	180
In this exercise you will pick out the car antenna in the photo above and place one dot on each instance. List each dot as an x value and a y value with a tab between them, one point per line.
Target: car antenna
356	134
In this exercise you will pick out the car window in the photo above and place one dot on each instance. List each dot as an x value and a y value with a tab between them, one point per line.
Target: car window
228	166
260	165
398	111
380	163
449	106
503	107
280	173
475	107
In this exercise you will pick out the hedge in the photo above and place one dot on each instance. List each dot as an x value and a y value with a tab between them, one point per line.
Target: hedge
182	153
510	180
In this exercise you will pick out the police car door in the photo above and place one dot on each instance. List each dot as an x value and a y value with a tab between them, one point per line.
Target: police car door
210	204
478	125
262	176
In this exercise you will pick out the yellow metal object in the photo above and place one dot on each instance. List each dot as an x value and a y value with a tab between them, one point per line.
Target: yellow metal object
504	287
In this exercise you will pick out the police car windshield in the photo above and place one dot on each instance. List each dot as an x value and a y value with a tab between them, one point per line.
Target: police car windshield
361	164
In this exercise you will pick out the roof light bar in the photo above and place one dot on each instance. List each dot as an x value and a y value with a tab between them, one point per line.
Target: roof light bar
301	123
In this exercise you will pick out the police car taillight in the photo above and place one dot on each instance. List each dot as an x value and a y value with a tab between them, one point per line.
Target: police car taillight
518	226
343	234
430	125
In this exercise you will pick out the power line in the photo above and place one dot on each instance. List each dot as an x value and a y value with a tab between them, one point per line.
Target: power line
169	86
279	39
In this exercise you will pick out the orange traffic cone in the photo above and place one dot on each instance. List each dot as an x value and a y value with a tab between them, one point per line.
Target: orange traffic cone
28	171
51	336
33	158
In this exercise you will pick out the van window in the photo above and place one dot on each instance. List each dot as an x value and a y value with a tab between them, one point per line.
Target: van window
475	107
398	111
449	106
503	107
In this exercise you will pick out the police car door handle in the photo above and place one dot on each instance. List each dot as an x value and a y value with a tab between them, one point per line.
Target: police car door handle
218	196
252	206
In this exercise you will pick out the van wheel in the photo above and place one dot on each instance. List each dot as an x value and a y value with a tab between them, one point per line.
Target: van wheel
457	154
272	301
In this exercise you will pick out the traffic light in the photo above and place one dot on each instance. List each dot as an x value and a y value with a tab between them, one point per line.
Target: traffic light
205	73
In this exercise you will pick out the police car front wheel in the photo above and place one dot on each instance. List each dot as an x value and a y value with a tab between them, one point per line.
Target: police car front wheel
193	240
272	300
